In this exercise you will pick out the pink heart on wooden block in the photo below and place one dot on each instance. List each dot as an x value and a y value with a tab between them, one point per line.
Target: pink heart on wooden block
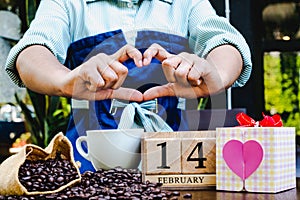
243	159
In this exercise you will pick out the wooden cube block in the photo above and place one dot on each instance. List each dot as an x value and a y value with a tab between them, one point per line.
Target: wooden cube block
161	155
198	155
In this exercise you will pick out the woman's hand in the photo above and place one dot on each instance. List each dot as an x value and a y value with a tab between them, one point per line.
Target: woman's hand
102	76
190	76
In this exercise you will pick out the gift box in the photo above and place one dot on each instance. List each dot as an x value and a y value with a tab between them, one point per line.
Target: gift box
256	158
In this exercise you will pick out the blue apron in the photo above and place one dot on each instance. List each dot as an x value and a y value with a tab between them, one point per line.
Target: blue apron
98	115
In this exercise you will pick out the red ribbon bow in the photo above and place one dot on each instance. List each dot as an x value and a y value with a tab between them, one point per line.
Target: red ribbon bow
267	121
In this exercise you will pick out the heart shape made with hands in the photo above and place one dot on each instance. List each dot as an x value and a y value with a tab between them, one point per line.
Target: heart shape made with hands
184	74
243	158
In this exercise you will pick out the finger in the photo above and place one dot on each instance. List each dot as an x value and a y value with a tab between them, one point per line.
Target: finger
97	73
92	86
121	72
197	72
94	83
92	78
159	91
169	70
173	89
182	71
169	66
194	77
108	75
127	94
127	52
100	94
155	51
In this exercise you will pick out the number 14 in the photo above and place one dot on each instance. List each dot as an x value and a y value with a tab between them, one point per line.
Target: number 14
198	149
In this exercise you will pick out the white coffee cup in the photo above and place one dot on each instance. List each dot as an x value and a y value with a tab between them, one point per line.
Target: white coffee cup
110	148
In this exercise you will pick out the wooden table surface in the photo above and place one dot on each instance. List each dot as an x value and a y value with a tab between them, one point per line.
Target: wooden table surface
211	194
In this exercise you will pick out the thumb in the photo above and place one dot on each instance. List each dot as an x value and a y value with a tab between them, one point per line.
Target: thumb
158	91
127	94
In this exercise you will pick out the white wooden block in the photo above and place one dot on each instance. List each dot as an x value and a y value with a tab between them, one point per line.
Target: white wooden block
198	155
161	156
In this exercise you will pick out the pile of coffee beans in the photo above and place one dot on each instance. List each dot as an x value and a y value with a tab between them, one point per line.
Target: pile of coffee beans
117	183
46	175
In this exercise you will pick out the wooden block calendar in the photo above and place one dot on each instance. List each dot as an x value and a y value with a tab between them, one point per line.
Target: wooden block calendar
180	160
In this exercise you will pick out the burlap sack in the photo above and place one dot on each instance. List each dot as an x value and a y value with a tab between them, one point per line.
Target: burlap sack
9	169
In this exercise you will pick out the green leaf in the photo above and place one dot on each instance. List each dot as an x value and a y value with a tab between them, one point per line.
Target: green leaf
54	103
31	7
202	103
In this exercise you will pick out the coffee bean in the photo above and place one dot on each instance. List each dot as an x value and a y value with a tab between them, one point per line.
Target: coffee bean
50	179
187	196
60	179
33	177
176	193
116	183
